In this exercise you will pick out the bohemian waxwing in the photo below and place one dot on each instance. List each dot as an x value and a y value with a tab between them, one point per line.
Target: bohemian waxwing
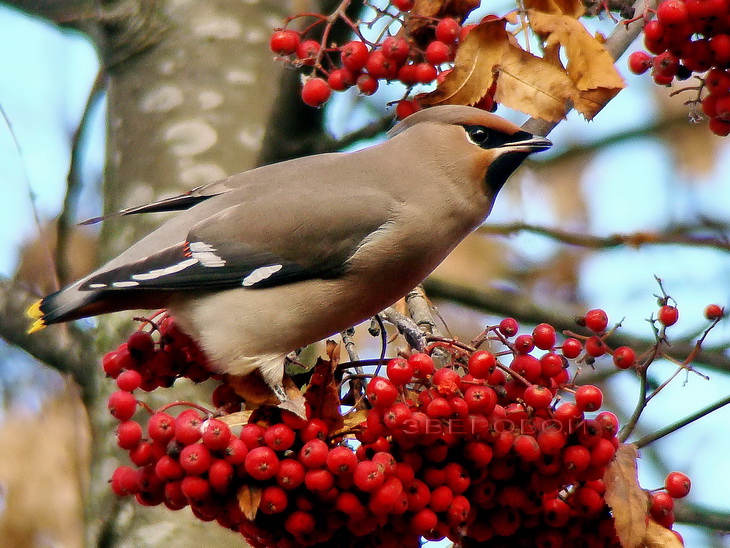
264	262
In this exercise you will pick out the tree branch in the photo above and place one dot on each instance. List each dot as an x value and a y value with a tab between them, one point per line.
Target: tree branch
678	235
65	349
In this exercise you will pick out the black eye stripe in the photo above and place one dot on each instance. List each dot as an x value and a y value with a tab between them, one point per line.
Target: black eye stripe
486	137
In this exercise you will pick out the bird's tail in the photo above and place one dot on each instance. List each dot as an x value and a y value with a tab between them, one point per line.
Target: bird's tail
61	306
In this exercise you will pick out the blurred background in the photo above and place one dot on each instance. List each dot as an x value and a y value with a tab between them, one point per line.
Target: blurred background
641	168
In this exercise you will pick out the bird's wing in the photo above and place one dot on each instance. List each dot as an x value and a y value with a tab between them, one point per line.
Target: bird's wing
257	243
173	203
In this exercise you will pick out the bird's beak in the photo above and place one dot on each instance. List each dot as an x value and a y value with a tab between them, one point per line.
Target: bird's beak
533	143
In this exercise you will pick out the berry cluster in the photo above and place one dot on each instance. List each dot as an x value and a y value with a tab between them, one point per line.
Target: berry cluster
691	36
364	64
491	449
676	486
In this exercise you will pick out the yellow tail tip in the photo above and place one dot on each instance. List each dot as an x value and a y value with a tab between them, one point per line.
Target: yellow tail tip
34	310
37	326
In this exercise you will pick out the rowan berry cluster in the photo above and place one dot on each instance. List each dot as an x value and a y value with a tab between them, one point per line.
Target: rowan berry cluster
492	448
364	64
691	37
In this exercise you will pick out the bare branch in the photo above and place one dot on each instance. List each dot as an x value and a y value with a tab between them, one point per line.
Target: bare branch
66	350
679	235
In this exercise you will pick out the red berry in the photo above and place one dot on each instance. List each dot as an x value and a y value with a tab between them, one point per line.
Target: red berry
195	459
252	435
290	474
588	397
400	371
284	42
719	127
714	312
366	84
354	55
315	428
129	380
447	381
551	365
596	320
141	345
381	392
544	336
380	67
216	434
405	108
538	397
595	346
407	74
314	453
261	463
368	476
576	458
341	461
425	73
526	447
319	480
161	427
195	487
396	415
447	30
187	427
668	315
609	424
481	364
572	348
279	437
551	441
661	504
220	474
341	79
129	434
124	481
509	327
480	399
438	52
274	500
677	485
640	62
423	521
236	451
524	344
527	366
316	92
307	51
395	49
672	12
423	365
403	5
720	45
624	357
300	523
122	405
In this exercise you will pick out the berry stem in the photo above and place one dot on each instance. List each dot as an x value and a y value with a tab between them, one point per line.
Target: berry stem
646	440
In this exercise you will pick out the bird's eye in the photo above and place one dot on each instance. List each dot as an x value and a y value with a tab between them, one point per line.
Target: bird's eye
478	135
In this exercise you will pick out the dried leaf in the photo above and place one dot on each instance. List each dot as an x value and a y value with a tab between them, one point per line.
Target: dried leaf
573	8
660	537
237	419
458	9
249	497
323	392
475	60
254	390
590	66
532	85
627	500
351	420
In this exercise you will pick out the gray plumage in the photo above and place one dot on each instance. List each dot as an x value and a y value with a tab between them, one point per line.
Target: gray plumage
272	259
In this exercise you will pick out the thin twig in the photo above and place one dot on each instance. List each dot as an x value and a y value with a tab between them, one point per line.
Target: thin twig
73	182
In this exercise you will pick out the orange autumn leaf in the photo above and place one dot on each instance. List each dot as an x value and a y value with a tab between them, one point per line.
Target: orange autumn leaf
475	60
238	418
572	8
442	8
532	85
249	497
323	392
660	537
590	67
254	390
627	500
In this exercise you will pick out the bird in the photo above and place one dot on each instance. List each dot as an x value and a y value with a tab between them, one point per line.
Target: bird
261	263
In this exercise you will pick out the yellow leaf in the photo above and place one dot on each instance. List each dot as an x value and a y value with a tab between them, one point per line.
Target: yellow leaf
351	421
573	8
660	537
249	497
590	66
472	74
533	85
237	419
627	500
